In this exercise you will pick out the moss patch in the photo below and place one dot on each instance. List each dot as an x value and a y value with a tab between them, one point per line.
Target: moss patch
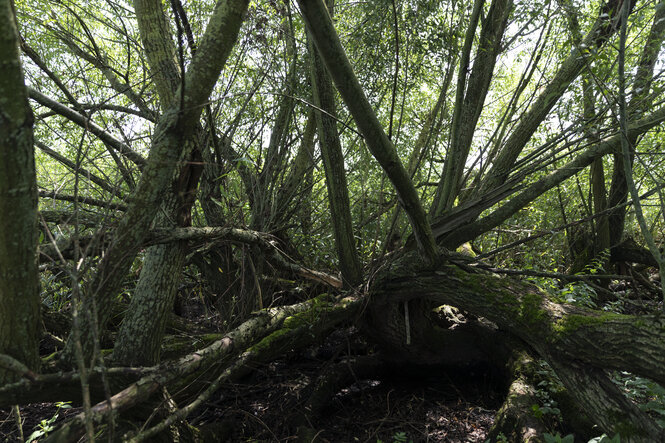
531	311
572	323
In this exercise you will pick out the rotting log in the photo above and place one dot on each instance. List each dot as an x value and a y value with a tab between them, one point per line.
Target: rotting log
300	330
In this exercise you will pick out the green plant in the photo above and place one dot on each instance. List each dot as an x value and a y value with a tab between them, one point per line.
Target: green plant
596	264
549	438
649	396
547	406
577	293
46	426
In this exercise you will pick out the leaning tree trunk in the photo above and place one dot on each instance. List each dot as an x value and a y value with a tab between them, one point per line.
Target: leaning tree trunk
173	129
139	340
140	336
320	27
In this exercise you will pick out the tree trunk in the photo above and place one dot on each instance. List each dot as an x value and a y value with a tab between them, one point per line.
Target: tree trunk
640	102
139	340
174	128
19	283
333	163
469	101
602	29
321	29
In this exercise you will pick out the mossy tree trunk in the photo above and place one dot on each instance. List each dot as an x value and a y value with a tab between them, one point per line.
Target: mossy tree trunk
19	284
333	163
140	336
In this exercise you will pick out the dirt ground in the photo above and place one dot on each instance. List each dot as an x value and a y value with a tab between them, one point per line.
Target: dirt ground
395	409
422	406
398	408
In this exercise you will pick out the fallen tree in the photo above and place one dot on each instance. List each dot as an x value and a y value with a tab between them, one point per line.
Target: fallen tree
265	336
579	344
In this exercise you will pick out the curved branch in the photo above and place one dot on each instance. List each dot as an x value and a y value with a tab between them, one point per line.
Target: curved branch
260	239
600	339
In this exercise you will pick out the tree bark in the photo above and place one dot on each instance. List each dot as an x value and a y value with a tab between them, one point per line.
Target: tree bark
175	127
333	163
320	27
139	339
140	336
157	39
19	283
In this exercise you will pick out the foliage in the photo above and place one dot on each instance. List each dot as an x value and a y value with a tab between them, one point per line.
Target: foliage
547	409
549	438
648	395
46	425
91	59
578	293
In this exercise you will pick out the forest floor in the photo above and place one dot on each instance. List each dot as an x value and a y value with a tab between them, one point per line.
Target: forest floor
260	408
391	409
394	409
424	405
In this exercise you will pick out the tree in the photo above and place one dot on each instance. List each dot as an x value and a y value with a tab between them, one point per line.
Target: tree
333	162
19	285
231	174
